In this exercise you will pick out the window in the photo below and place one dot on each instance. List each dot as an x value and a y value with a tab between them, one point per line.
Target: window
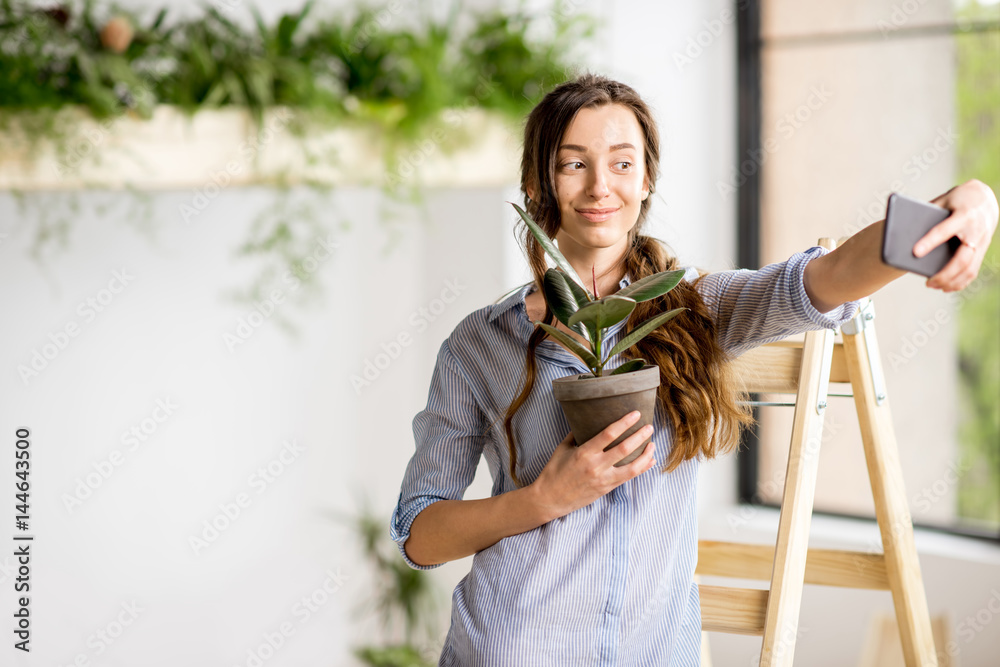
840	106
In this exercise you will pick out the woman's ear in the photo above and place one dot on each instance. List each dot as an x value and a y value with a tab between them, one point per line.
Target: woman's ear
530	190
645	188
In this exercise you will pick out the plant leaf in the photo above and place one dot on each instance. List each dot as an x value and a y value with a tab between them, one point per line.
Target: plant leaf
582	296
605	312
652	286
585	355
629	366
563	300
549	246
643	330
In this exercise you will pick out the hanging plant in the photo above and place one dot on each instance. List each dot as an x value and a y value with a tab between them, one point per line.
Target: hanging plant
366	68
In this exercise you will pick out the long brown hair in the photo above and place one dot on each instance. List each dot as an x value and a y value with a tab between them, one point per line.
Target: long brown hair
697	390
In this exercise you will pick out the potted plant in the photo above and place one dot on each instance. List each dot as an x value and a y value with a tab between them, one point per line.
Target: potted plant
591	401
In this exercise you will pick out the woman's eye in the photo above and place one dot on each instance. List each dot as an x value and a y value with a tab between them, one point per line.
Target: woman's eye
626	164
573	165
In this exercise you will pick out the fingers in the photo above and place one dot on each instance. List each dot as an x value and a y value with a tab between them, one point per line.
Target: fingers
953	225
605	459
959	272
972	218
629	444
972	221
642	463
613	430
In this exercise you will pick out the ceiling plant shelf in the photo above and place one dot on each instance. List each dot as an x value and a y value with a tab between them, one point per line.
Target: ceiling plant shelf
226	147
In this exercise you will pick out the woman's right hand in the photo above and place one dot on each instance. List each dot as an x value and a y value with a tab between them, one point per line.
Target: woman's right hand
575	476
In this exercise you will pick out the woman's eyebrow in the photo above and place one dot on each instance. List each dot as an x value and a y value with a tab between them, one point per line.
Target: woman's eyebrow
583	149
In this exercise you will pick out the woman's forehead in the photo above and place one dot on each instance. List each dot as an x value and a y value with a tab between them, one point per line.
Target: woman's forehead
606	128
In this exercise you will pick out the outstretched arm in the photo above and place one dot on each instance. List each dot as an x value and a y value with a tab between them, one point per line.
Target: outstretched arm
855	269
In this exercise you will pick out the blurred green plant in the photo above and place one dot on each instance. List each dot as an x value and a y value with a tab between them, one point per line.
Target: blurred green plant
368	66
401	595
977	98
371	68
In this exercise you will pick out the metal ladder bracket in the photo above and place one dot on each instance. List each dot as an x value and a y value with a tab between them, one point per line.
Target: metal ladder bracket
864	323
824	372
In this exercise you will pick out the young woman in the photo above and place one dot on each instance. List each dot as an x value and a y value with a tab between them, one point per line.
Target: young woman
578	562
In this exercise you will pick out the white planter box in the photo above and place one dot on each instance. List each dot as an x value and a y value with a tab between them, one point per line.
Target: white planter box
173	150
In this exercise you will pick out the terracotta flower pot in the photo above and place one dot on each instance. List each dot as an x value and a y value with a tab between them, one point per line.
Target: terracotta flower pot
592	403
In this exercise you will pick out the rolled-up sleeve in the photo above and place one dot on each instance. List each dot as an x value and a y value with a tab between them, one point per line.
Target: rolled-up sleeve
752	308
449	435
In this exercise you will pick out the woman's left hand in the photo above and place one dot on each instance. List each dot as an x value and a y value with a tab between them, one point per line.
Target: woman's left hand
973	219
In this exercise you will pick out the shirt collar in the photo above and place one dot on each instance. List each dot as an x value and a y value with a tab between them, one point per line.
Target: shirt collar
518	295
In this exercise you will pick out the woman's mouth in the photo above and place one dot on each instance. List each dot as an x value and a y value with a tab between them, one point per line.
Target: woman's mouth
597	214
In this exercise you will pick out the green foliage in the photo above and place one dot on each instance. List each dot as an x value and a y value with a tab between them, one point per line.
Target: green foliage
401	594
392	656
592	316
371	67
978	110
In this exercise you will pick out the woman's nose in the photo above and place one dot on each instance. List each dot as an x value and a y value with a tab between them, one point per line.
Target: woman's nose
598	186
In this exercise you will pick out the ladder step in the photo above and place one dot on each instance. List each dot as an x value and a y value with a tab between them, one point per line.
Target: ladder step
774	368
824	567
738	611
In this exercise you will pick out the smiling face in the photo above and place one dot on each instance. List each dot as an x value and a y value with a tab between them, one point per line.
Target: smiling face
600	180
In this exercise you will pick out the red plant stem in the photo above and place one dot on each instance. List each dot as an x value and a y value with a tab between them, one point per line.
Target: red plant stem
593	279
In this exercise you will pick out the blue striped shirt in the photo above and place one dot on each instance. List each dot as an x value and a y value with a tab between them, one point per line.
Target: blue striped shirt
610	583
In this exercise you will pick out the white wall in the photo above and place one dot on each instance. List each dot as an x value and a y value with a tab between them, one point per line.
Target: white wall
161	337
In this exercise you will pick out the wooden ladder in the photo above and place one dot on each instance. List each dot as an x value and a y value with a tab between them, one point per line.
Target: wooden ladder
806	368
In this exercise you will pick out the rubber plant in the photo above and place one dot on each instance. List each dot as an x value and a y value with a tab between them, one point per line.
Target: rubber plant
591	315
591	401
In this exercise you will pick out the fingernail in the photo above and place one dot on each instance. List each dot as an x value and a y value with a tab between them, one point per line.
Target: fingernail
919	250
632	416
647	429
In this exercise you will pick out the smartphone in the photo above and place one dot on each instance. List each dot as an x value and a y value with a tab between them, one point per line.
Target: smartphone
906	222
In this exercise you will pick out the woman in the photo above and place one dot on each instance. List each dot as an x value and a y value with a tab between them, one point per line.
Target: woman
578	562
